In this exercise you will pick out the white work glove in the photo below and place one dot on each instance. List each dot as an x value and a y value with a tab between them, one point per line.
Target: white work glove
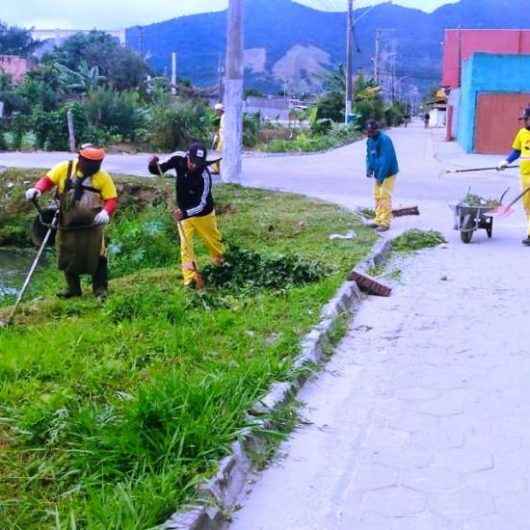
32	193
102	218
503	165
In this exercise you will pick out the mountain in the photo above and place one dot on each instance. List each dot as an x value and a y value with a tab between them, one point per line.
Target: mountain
290	44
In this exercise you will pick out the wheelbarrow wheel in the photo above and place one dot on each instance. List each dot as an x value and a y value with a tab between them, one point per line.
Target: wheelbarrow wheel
467	228
466	236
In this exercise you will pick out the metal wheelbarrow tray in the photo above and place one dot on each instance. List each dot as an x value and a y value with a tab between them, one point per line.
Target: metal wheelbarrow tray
467	219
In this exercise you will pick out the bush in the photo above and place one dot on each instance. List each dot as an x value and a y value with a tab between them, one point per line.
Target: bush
251	129
145	240
176	125
51	128
248	270
116	112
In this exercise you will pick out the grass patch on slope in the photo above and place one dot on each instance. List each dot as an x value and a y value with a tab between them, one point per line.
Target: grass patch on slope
110	414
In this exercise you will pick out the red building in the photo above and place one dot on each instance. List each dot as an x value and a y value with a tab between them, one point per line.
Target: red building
15	66
485	92
461	44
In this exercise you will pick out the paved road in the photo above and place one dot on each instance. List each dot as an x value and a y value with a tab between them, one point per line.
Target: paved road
338	176
420	420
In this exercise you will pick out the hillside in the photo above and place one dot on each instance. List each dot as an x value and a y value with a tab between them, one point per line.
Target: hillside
290	44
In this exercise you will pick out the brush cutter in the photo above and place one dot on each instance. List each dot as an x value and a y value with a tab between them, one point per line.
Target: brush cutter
504	211
475	169
51	228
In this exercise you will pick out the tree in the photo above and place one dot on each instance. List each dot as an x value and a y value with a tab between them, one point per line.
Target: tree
43	86
81	81
123	68
16	41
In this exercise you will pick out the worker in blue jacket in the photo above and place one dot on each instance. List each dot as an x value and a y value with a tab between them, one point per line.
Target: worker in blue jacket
382	164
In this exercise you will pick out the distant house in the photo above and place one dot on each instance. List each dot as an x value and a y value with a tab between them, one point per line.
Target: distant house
438	109
15	66
270	108
487	73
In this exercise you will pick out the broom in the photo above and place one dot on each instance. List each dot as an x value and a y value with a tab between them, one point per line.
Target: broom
369	285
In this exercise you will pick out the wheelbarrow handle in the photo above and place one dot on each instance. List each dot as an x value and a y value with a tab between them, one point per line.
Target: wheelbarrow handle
504	194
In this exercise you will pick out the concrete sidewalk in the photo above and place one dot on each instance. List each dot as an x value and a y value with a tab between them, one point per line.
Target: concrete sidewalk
420	420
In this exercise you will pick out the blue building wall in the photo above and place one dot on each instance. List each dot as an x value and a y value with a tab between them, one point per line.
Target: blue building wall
485	72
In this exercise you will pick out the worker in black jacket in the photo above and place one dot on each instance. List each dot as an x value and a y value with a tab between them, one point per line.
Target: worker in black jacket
195	208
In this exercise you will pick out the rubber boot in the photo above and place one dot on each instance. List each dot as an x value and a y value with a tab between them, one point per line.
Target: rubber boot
100	280
73	288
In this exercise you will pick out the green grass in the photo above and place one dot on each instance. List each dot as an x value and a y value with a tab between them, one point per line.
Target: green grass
111	414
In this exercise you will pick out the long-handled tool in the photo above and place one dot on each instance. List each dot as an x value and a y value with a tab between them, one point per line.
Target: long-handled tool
51	227
474	169
199	279
504	211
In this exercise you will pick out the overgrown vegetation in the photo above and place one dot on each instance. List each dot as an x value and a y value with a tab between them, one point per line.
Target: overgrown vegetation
117	101
110	414
417	239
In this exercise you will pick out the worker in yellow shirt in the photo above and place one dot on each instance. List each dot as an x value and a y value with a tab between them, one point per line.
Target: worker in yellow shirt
218	141
87	199
521	149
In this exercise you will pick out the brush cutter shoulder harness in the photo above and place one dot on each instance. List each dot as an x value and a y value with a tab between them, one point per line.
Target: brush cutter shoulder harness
79	243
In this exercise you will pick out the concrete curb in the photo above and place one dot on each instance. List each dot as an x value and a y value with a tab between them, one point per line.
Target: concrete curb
218	496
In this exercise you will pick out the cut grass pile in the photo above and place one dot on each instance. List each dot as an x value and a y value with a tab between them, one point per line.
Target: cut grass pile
416	239
111	414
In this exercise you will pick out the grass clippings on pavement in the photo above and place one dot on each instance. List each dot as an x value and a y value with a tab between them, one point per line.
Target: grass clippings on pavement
416	239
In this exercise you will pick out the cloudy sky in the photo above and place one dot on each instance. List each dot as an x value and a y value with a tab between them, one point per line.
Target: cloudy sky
115	14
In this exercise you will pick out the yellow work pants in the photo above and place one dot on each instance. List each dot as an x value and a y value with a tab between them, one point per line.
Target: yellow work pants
216	168
383	201
206	228
525	183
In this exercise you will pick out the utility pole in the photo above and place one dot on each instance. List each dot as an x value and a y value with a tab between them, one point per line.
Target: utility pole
220	74
377	54
349	61
233	127
174	73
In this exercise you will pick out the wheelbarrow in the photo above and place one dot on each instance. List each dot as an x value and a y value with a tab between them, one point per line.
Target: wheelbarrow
468	218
